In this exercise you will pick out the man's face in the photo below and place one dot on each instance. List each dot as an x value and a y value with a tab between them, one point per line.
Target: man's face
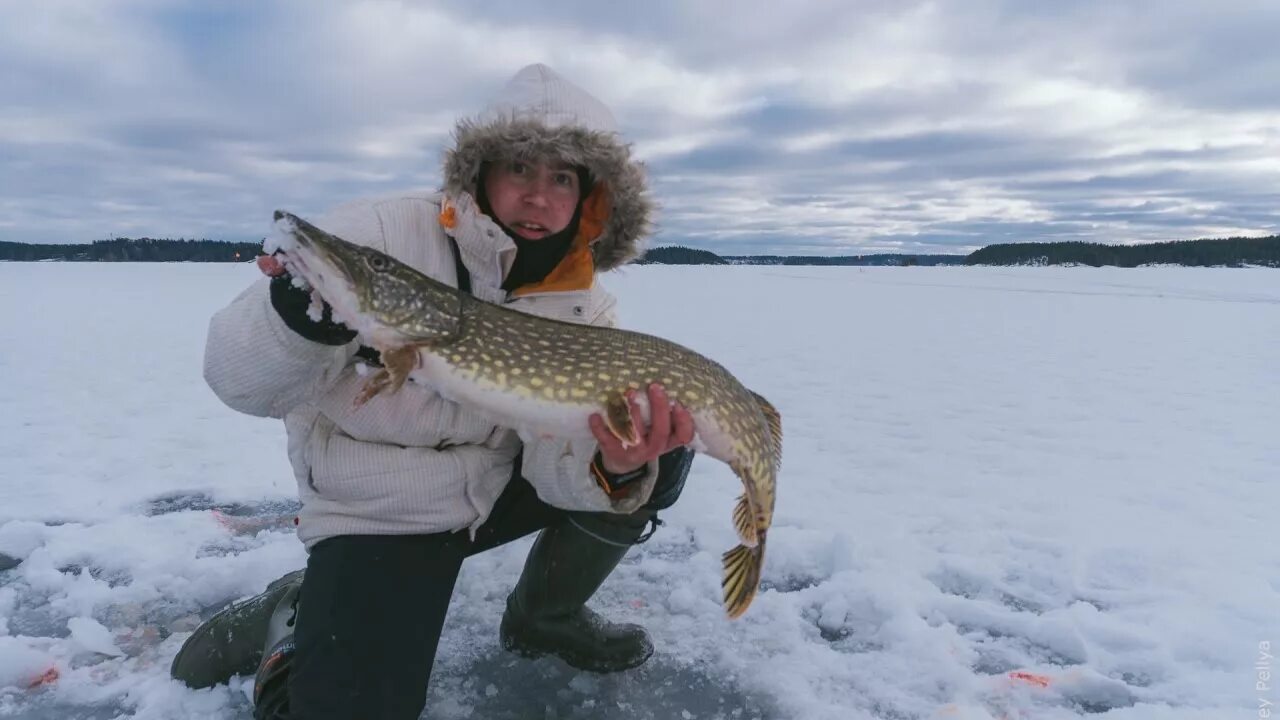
535	200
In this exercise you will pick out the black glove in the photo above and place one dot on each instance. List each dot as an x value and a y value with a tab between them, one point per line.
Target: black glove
673	469
292	302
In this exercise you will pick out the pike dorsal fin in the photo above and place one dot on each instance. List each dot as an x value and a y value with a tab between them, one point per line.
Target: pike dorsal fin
774	419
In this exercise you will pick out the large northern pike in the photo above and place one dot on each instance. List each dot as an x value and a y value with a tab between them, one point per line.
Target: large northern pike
527	372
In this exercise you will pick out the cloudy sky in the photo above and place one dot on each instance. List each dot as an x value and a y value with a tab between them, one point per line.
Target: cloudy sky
797	127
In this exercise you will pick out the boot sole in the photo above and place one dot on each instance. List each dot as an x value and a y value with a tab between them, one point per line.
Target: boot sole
575	661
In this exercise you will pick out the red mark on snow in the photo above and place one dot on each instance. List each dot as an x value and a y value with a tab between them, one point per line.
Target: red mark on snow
1030	678
49	677
222	519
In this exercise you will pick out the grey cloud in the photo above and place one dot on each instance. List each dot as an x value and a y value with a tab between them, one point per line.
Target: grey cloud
1222	57
926	125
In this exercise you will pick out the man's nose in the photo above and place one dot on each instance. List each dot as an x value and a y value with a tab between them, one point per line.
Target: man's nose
538	192
536	197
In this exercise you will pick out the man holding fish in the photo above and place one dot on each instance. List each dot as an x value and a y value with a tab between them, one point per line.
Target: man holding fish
540	194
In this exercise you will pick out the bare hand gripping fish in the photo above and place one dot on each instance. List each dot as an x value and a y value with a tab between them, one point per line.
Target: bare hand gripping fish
547	376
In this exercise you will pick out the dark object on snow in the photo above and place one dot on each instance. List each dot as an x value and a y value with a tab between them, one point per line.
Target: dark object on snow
188	501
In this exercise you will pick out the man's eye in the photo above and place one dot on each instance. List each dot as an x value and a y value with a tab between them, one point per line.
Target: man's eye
518	168
564	179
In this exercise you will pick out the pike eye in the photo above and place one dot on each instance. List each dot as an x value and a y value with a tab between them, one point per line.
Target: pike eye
378	263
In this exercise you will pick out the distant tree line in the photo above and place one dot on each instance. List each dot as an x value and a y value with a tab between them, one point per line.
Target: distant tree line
890	259
134	250
680	255
1231	252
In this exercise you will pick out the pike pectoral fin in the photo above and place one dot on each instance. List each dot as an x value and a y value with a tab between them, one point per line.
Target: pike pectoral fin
744	521
742	566
617	417
374	385
397	363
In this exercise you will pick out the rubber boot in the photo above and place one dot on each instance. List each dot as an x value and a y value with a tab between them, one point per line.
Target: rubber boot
231	642
546	612
271	682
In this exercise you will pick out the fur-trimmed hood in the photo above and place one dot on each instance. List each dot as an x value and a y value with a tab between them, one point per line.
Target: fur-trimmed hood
540	115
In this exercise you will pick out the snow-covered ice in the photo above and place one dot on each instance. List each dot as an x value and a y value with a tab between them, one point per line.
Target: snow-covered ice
1007	493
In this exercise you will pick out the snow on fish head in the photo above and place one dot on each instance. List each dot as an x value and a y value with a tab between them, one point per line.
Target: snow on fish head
387	302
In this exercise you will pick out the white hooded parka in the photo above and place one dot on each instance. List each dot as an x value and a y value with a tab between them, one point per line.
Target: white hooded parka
413	462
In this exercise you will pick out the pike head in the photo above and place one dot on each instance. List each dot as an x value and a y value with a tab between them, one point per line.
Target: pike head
387	302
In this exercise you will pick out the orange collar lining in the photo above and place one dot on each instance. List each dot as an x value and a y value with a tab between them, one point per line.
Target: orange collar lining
577	270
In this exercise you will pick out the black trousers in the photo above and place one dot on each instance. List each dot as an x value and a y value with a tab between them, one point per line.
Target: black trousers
372	606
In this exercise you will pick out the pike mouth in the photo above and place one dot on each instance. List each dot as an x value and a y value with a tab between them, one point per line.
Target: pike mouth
309	261
305	261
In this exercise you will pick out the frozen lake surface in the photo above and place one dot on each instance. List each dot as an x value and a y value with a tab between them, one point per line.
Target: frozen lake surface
1007	493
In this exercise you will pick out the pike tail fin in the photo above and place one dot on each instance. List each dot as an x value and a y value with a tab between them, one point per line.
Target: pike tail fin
742	568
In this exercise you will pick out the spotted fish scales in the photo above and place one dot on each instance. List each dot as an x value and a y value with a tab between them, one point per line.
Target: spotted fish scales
543	375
